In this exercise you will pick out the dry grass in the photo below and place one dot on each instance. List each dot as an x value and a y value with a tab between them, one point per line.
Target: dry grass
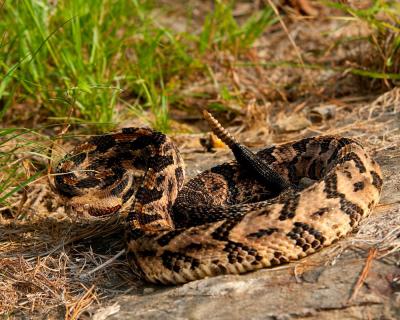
51	266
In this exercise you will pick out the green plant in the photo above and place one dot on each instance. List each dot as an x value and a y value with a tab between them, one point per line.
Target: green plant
383	19
17	146
74	59
64	58
84	60
222	30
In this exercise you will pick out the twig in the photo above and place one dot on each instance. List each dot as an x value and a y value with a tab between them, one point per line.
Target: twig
364	273
77	308
295	47
296	274
103	264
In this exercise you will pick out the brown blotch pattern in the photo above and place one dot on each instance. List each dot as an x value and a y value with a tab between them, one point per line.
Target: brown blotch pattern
213	212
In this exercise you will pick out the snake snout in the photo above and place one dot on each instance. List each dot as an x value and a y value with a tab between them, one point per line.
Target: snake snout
95	211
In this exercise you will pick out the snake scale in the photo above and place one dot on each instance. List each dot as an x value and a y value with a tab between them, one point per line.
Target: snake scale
250	213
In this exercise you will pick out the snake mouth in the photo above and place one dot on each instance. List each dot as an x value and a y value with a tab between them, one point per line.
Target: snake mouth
87	211
103	212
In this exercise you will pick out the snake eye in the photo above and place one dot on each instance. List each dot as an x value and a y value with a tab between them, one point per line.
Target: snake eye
86	206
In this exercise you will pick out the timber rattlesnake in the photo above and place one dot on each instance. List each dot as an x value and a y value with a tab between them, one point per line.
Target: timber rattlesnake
236	217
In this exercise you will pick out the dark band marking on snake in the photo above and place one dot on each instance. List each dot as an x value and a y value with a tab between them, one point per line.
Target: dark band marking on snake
250	213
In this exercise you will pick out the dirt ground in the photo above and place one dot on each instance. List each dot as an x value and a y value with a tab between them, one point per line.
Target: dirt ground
53	266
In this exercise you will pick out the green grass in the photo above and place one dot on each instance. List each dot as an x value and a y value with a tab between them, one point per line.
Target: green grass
99	62
17	169
80	59
383	19
221	30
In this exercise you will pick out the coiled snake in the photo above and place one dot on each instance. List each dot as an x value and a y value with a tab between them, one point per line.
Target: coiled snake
236	217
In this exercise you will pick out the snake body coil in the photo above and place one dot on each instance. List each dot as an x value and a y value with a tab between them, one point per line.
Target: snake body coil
230	218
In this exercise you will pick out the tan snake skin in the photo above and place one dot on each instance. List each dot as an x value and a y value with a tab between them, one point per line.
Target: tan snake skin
225	220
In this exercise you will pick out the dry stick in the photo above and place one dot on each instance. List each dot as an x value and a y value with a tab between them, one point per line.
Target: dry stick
109	261
296	48
364	273
80	305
